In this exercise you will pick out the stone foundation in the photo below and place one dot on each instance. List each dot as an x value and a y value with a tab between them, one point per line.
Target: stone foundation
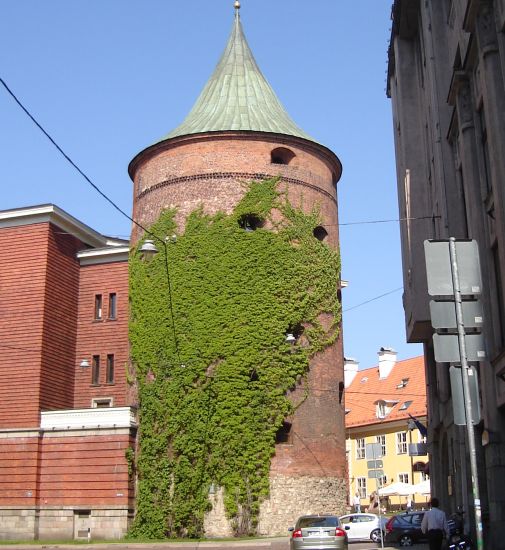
17	524
290	497
63	524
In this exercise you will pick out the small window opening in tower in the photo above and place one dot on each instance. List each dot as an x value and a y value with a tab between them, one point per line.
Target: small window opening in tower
320	233
250	222
284	435
296	331
281	155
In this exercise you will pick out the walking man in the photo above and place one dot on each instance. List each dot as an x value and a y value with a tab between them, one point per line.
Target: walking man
434	525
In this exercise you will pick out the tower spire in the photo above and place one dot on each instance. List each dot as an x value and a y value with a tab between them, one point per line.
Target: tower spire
237	96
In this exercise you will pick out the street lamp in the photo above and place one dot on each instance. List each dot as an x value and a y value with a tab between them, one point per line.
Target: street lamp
148	249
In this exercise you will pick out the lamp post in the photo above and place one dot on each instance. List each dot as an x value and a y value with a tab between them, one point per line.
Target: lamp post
148	250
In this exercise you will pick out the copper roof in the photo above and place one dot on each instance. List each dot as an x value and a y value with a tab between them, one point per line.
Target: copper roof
406	382
237	97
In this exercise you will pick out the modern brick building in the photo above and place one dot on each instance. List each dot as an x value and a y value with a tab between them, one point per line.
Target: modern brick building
446	81
65	416
64	428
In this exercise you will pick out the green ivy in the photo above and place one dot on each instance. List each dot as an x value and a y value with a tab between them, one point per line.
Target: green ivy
213	388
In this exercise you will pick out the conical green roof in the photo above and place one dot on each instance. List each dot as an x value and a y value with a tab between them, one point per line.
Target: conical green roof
237	97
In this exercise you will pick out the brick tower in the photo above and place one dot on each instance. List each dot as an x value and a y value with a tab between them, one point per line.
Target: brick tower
236	131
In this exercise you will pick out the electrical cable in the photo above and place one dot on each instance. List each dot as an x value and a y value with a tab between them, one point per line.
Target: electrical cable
373	299
100	192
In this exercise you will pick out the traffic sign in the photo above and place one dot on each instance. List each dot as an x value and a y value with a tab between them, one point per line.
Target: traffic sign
446	347
375	474
439	268
372	464
373	451
458	401
443	315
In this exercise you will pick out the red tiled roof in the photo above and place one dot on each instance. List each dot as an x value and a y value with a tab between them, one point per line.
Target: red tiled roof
367	388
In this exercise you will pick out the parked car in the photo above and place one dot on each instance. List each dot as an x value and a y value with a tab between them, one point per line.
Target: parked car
405	529
363	526
321	532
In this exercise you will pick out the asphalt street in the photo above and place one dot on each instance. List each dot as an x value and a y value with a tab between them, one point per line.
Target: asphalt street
281	543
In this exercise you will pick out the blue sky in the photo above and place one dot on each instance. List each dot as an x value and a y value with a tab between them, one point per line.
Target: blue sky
108	78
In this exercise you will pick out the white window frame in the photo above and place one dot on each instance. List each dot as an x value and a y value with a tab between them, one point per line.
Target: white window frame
381	439
361	487
403	477
382	481
401	443
360	448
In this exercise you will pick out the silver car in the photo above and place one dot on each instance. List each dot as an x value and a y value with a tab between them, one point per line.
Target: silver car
321	532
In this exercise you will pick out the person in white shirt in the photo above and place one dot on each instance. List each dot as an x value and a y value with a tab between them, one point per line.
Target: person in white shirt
435	525
357	503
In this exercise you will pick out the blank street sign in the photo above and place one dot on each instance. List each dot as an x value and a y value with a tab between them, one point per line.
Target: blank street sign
372	464
443	314
458	401
373	451
446	347
439	269
375	474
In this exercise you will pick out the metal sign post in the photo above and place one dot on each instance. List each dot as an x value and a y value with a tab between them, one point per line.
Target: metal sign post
373	451
466	392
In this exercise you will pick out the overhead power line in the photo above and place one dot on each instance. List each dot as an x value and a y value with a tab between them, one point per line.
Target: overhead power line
109	200
373	299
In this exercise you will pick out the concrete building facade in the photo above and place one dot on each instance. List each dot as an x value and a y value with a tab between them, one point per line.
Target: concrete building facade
446	80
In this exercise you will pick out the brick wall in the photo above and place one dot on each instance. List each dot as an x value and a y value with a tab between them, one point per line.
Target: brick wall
38	304
86	470
309	471
102	337
209	170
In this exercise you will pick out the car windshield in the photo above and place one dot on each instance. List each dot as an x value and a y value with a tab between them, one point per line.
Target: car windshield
322	521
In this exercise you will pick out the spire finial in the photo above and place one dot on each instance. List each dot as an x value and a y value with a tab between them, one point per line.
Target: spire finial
237	5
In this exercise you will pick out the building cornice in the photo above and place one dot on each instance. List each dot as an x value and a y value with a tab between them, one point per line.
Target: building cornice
95	256
50	213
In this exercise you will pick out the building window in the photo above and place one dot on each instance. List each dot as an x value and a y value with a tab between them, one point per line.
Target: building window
284	434
281	155
383	481
320	233
95	370
109	375
361	485
403	478
112	305
250	222
381	439
405	405
360	448
101	403
401	443
381	409
98	306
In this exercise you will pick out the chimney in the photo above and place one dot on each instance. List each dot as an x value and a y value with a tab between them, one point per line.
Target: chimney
350	370
387	360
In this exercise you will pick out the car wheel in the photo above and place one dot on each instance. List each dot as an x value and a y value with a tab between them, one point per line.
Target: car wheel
375	535
406	540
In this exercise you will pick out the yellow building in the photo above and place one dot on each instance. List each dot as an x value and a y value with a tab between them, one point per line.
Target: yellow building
381	405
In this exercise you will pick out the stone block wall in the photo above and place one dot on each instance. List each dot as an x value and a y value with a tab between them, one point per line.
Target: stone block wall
291	497
17	523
